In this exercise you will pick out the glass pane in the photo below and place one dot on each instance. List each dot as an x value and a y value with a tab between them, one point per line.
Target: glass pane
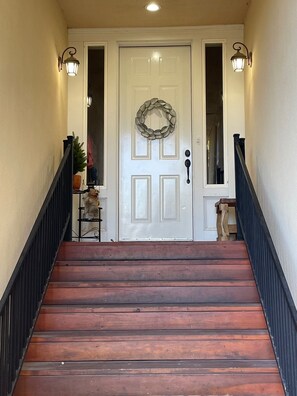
95	169
214	114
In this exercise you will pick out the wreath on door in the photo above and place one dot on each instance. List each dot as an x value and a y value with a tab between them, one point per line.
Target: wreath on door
148	106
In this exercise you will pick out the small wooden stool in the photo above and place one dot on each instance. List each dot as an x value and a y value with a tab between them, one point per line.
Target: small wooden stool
223	228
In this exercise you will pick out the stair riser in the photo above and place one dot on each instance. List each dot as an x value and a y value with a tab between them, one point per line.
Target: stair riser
151	295
163	250
149	350
161	385
151	321
152	272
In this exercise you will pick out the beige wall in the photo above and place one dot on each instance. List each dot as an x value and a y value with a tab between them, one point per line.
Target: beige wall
33	118
271	122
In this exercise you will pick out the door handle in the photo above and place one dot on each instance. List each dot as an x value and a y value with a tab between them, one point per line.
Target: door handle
188	164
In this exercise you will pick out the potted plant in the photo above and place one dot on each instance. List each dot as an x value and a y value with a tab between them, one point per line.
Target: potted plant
79	161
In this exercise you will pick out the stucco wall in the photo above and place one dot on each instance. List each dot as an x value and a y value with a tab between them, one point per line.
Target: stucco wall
33	117
271	122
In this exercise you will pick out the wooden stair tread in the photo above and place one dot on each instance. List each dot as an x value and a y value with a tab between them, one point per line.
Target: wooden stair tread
266	384
195	367
222	293
151	320
96	270
149	347
148	284
155	263
116	308
134	335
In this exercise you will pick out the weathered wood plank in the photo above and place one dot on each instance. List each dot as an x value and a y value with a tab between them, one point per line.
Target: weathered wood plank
155	347
164	270
120	308
147	284
149	335
156	250
149	262
151	367
161	385
149	295
148	320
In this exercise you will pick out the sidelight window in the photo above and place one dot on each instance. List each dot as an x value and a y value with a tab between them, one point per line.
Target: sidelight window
214	113
95	116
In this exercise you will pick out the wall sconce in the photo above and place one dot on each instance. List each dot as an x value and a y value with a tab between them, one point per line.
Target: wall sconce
71	63
238	59
89	101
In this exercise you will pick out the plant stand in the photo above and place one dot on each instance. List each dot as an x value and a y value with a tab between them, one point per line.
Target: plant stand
82	219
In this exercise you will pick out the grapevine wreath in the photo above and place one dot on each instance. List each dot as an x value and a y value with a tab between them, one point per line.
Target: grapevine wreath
148	106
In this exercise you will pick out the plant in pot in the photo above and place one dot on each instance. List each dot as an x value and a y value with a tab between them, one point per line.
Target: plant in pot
79	161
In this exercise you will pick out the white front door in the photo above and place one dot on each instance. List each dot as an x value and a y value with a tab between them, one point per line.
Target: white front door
155	193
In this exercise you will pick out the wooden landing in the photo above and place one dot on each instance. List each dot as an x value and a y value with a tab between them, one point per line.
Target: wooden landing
125	319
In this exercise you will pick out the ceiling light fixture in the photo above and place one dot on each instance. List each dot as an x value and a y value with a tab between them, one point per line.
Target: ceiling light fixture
71	63
238	59
152	7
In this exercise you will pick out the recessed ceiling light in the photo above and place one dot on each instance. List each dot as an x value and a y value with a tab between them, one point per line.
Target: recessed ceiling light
152	7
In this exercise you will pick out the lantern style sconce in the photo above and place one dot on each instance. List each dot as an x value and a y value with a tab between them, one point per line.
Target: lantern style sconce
89	100
71	63
238	59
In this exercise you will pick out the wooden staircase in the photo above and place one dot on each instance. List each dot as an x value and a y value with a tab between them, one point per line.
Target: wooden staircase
151	319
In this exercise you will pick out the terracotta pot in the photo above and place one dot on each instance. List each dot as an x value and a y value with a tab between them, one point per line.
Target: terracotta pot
76	182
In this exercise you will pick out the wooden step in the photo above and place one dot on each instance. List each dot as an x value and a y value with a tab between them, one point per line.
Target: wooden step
153	270
155	385
151	292
150	366
135	319
156	250
183	317
149	345
234	377
149	308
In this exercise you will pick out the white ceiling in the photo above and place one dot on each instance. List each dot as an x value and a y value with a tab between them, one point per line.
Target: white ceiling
132	13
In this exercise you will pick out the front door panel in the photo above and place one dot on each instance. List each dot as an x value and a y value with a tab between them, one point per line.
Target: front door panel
155	199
